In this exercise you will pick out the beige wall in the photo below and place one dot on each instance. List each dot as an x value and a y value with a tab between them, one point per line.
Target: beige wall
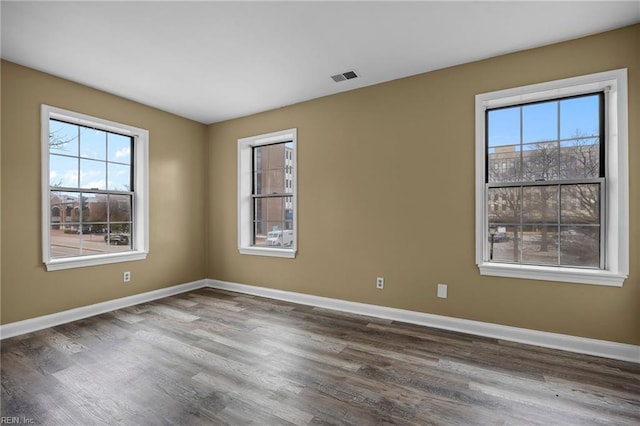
177	155
386	188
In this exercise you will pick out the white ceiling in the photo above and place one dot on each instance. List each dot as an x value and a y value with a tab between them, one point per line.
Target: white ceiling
213	61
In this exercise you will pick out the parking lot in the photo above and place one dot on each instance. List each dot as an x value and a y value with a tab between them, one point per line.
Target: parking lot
530	248
65	245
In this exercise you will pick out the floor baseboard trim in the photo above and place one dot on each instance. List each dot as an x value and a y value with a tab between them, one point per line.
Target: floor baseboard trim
34	324
583	345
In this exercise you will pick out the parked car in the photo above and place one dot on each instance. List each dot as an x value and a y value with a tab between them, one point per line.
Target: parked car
116	239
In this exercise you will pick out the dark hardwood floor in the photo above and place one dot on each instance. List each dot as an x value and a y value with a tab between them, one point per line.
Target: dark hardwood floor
215	357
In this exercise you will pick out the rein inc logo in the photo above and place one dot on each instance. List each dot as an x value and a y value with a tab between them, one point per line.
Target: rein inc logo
17	420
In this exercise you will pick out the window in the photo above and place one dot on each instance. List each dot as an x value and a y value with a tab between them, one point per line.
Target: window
93	190
267	199
551	181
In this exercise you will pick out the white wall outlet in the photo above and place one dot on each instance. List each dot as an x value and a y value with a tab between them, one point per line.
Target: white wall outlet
442	291
126	277
380	283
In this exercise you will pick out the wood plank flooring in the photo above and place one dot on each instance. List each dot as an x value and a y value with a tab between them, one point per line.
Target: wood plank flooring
211	357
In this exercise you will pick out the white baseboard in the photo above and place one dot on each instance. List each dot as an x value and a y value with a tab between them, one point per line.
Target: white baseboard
46	321
583	345
564	342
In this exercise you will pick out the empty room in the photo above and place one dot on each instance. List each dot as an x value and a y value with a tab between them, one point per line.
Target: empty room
310	213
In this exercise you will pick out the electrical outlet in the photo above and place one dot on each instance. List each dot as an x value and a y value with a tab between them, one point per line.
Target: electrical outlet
380	283
442	291
126	277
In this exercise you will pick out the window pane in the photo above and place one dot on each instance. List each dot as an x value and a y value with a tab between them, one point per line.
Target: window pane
270	182
93	174
269	169
580	117
97	206
119	208
504	205
56	215
63	138
540	161
504	164
119	148
66	205
99	230
540	244
104	225
93	143
540	122
119	177
61	208
118	242
540	204
65	242
580	158
273	221
120	228
580	204
93	240
288	213
503	126
101	222
270	209
540	155
505	246
84	208
580	246
63	171
272	234
119	237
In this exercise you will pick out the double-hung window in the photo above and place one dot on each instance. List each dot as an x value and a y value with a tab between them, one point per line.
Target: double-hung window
267	222
94	190
551	181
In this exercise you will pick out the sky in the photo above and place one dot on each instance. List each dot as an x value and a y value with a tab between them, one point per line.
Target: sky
539	121
86	158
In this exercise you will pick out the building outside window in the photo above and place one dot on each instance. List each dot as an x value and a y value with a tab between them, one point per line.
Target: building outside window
272	195
551	181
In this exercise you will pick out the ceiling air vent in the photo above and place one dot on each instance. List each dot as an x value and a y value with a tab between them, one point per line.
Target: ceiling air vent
344	76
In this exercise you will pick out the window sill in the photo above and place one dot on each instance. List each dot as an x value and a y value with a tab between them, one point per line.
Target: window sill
549	273
268	251
103	259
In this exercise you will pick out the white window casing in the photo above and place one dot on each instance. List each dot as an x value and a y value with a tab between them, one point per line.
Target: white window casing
616	222
140	200
245	188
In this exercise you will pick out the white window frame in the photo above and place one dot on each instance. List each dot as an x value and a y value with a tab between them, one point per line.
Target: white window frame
245	186
616	244
140	206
